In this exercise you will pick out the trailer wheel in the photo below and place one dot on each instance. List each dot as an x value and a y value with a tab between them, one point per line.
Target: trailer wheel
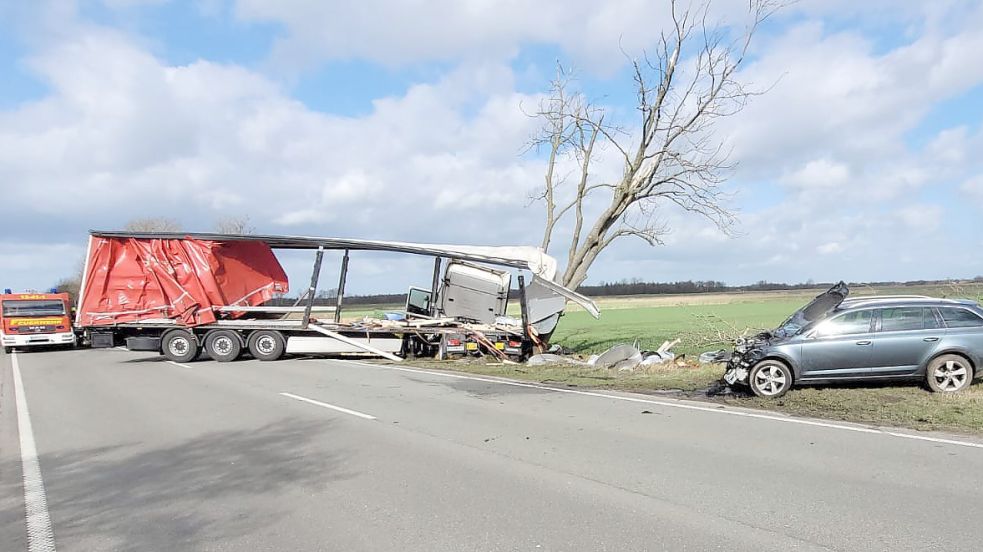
267	344
179	346
8	350
223	345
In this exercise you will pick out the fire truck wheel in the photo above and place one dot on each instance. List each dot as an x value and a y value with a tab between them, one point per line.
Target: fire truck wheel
267	344
223	345
179	346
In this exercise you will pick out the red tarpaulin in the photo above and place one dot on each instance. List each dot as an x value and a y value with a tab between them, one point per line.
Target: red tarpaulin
130	279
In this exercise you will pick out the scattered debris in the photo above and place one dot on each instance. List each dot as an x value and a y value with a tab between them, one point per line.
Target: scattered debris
508	321
714	357
661	355
622	357
558	349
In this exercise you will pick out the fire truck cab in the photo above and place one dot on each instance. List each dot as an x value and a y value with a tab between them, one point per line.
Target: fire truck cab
35	319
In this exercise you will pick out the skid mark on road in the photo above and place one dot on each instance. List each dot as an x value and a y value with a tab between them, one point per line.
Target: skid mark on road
40	537
684	406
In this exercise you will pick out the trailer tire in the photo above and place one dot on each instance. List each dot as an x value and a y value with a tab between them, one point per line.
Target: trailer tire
8	350
179	346
267	345
223	345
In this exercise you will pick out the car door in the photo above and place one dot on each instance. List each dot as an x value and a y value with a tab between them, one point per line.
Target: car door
904	338
964	332
838	347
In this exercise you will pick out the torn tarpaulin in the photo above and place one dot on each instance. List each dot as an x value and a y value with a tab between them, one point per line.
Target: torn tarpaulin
130	279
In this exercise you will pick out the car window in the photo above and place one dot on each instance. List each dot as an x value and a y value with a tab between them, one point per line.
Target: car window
898	319
960	318
856	322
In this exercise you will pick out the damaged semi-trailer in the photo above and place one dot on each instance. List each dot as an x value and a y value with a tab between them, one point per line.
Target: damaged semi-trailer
180	294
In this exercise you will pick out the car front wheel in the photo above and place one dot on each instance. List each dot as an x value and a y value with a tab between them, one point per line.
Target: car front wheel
770	379
949	374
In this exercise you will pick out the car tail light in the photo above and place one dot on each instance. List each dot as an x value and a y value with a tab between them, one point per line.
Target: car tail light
515	343
454	342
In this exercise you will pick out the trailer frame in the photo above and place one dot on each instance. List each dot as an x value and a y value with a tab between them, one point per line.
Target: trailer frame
154	334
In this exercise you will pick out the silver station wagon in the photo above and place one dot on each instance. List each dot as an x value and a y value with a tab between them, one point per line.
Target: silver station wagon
835	338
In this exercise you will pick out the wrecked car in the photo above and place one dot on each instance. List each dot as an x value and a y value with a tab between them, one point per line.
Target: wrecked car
835	338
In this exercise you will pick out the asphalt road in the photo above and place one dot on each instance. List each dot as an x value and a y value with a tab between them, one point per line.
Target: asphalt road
140	454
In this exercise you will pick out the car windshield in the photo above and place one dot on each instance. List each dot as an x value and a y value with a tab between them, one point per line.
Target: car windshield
23	307
792	326
815	310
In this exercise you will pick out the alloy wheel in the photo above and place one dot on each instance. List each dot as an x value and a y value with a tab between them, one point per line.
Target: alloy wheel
770	380
951	376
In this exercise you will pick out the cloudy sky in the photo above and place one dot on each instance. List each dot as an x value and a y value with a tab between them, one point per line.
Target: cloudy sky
407	120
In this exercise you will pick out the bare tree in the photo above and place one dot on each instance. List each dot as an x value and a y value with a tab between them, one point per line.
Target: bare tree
673	157
153	224
235	225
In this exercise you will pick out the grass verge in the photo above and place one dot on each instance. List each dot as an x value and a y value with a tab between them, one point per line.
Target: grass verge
908	406
898	405
654	379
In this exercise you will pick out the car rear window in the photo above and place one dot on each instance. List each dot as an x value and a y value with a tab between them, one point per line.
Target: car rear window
960	318
898	319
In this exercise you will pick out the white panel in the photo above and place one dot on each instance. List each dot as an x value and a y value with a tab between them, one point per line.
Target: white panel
303	344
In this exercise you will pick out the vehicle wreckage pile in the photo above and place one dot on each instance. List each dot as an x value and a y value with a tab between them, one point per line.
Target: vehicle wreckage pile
620	358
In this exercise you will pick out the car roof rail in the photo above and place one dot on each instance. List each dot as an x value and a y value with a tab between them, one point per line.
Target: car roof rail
884	297
858	301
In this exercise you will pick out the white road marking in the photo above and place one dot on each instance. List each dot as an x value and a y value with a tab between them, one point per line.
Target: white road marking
40	537
331	406
179	364
685	406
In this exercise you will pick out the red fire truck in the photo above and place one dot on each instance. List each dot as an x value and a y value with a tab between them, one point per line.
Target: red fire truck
33	319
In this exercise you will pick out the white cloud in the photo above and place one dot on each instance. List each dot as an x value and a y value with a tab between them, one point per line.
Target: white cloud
399	33
29	265
836	96
921	218
974	188
124	134
819	173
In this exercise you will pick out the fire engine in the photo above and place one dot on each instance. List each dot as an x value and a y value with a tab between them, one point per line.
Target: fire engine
33	319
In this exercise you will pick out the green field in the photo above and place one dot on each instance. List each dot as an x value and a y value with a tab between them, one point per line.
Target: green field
653	325
695	318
